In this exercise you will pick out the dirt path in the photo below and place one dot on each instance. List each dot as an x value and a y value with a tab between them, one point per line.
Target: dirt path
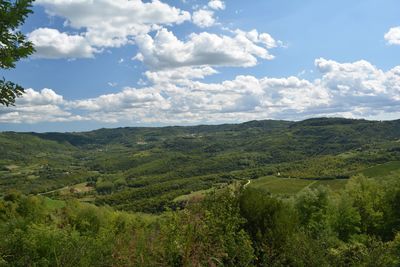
309	185
52	191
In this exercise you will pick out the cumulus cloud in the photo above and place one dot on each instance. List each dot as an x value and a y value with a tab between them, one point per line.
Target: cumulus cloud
129	98
50	43
103	23
44	97
34	106
360	86
203	18
179	96
393	36
359	78
114	23
177	99
182	75
165	50
133	105
258	38
216	4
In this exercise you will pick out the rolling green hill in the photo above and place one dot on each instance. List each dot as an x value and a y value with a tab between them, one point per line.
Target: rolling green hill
320	192
145	169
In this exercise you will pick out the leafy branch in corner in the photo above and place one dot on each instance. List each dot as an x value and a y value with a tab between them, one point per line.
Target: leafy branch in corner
13	44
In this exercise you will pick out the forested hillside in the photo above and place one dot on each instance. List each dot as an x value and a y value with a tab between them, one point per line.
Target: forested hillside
145	169
320	192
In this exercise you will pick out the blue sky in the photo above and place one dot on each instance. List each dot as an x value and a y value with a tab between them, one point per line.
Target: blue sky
111	63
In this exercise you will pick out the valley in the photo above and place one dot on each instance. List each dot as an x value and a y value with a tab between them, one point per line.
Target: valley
149	169
319	192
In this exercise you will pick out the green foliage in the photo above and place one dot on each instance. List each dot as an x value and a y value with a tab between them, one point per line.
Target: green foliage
13	44
208	233
347	220
313	209
75	235
229	227
105	187
150	167
269	223
368	199
283	217
9	91
370	253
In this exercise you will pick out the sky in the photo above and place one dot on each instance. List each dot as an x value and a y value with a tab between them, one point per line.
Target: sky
119	63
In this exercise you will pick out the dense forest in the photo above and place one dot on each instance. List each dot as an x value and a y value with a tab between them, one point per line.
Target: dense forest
320	192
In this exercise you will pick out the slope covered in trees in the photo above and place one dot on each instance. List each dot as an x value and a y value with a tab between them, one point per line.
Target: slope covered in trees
145	169
320	192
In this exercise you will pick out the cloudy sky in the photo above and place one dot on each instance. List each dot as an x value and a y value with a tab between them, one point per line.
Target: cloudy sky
110	63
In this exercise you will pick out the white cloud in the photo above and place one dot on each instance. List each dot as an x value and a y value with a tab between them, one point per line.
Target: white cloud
179	96
360	78
393	36
44	97
115	23
356	89
258	38
165	50
182	75
129	98
216	4
174	101
203	18
33	107
359	87
104	23
50	43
